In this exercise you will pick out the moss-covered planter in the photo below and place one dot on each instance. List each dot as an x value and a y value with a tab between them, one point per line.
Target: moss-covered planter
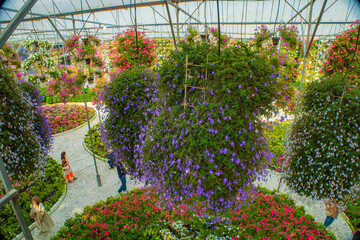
50	188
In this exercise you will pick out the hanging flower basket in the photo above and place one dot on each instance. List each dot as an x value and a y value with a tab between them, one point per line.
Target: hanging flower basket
275	41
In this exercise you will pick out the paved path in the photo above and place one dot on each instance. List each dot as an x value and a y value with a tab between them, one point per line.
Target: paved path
84	191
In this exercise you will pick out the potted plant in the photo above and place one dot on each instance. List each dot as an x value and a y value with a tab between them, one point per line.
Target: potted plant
275	41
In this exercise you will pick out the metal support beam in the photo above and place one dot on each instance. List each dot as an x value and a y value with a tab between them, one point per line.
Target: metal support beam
186	13
15	206
158	13
297	13
44	16
101	9
316	27
7	197
10	28
57	31
171	26
177	10
97	30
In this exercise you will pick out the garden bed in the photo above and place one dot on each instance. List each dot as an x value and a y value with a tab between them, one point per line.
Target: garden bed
137	214
49	187
99	146
64	117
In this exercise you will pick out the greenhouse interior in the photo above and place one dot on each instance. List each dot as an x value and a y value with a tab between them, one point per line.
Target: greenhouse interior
179	119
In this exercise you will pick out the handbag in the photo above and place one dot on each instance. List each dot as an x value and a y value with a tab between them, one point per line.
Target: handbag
328	213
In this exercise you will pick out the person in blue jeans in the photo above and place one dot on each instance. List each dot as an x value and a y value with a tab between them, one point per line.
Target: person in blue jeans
332	210
122	175
111	160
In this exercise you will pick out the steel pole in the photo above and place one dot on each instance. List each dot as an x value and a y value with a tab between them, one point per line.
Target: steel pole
92	144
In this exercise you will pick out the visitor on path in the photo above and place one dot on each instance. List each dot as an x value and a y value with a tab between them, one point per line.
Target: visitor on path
332	211
69	175
43	220
122	175
357	232
111	160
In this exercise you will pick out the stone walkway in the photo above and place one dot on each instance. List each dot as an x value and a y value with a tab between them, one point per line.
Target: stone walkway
84	191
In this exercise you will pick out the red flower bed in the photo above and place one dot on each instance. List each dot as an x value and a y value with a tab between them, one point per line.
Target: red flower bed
138	215
63	117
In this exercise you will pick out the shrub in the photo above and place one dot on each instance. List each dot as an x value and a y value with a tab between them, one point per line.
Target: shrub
49	187
275	136
323	142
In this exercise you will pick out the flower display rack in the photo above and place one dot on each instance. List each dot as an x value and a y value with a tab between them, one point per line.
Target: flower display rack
198	71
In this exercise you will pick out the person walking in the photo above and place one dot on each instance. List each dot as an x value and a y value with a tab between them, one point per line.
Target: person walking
43	220
122	175
357	232
111	160
69	175
332	210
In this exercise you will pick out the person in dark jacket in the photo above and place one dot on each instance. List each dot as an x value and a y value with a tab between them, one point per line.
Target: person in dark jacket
122	175
357	233
111	160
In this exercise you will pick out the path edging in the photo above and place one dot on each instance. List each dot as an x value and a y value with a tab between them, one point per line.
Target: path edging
52	210
347	220
91	153
77	128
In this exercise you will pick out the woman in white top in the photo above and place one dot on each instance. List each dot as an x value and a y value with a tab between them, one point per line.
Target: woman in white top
41	217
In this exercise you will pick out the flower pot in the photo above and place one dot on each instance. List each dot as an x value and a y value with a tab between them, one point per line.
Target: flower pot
85	41
204	36
90	80
42	78
5	63
275	41
87	61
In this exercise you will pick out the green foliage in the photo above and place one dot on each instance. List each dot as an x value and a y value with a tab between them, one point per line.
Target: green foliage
196	148
128	96
275	137
323	143
24	132
49	187
353	210
99	147
77	98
